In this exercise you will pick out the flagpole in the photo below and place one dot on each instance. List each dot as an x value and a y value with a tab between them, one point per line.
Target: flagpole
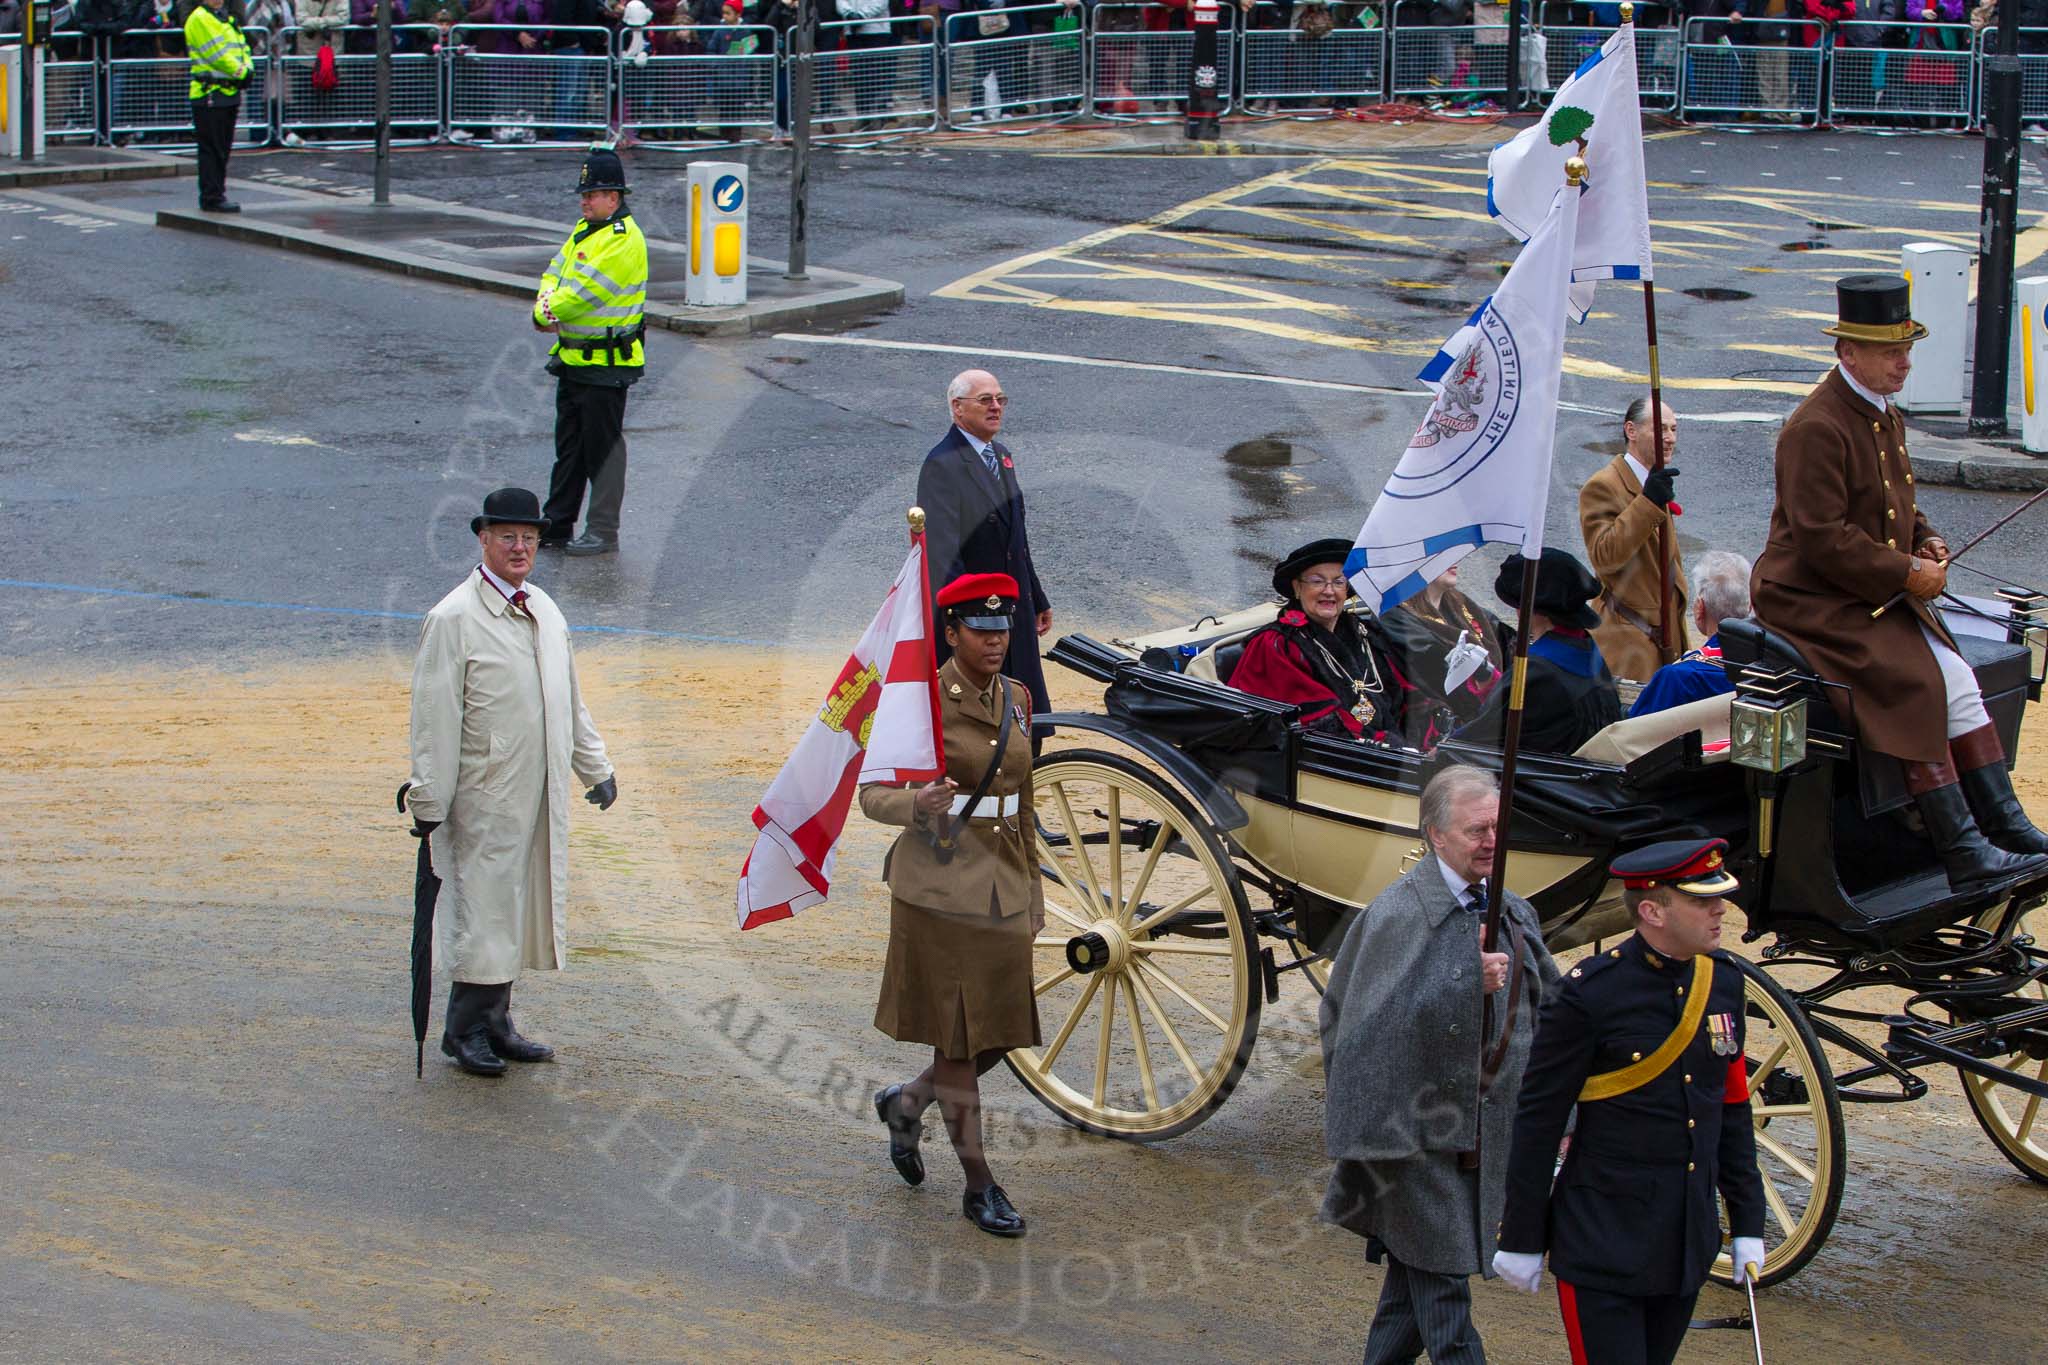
1667	637
1511	743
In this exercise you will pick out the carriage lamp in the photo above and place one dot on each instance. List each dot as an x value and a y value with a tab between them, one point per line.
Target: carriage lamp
1767	729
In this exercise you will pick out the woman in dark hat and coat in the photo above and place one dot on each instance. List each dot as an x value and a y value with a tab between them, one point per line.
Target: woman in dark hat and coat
965	899
1570	696
1319	656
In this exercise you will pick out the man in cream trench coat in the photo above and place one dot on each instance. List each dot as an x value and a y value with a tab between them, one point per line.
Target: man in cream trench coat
498	728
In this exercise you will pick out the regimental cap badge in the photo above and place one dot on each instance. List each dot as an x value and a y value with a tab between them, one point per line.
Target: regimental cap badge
992	602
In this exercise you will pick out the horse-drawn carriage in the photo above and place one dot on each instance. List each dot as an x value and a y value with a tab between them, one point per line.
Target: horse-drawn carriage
1226	847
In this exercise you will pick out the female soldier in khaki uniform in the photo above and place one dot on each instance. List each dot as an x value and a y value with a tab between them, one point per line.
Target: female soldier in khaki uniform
962	917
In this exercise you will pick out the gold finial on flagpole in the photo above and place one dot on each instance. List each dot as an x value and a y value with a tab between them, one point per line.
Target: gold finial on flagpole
1628	12
1574	170
916	515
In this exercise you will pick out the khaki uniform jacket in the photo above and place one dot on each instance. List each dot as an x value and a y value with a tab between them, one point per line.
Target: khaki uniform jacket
1843	533
498	730
1620	528
993	858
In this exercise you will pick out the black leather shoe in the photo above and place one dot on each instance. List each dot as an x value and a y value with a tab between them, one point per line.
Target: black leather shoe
991	1211
588	544
221	206
554	542
472	1052
904	1134
504	1038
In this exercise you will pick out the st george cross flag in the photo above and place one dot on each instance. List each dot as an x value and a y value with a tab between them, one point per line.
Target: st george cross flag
1479	468
879	723
1596	114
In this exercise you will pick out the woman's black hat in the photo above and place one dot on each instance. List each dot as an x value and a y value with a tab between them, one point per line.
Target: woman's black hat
1328	550
1563	587
511	506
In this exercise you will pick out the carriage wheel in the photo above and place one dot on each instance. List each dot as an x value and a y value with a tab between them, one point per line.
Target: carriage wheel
1147	993
1798	1117
2016	1121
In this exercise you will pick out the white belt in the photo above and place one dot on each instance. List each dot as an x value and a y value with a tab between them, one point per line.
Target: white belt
988	808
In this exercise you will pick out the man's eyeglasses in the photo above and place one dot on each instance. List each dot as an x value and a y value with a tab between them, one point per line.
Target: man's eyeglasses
988	400
511	538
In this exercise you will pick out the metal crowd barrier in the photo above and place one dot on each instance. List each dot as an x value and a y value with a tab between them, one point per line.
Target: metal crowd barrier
1724	77
558	95
1285	64
151	97
71	97
2033	71
689	79
1130	65
1005	65
350	109
1879	69
1460	59
878	78
1659	54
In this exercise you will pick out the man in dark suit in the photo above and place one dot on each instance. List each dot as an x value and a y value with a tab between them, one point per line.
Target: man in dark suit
974	519
1647	1040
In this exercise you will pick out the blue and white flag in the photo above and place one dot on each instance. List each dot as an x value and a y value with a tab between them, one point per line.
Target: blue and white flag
1596	114
1478	470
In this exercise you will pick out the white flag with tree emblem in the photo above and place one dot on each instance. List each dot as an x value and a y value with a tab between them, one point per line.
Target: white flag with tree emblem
1478	469
1596	114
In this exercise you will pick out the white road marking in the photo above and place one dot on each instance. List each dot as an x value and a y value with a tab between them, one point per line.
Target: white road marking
275	438
40	201
1289	381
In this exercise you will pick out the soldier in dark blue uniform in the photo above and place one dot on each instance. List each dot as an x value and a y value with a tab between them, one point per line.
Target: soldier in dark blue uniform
1646	1039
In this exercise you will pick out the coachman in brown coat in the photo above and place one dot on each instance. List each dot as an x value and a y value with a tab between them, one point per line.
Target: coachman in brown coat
1846	535
1623	510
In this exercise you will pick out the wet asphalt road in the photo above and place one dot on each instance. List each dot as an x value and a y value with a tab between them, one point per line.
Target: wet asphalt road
260	427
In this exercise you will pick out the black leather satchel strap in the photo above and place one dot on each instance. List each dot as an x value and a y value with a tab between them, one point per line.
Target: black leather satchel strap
942	824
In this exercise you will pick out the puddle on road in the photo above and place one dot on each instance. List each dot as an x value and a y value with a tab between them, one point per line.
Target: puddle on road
1811	244
1707	293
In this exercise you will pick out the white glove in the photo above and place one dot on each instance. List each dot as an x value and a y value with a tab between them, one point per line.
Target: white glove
1463	660
1747	1251
1522	1269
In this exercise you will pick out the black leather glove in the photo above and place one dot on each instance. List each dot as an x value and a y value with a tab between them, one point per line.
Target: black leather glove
422	828
1657	488
604	793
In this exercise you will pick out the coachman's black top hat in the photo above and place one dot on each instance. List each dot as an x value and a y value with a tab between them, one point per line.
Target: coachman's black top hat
1874	308
513	506
602	170
1563	587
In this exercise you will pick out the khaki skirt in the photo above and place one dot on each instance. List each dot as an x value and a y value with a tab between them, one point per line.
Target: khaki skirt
961	984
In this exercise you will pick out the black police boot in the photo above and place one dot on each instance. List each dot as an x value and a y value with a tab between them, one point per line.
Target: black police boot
464	1037
505	1039
221	206
1968	857
991	1211
591	544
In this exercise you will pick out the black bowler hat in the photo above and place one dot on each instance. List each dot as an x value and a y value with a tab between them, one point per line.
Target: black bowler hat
1328	550
510	506
1874	308
1694	866
602	170
1563	587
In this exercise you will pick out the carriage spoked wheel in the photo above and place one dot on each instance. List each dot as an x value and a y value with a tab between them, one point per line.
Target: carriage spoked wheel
1799	1141
2011	1118
1148	997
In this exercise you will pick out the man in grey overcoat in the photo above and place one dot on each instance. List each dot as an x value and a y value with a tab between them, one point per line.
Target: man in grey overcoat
1402	1043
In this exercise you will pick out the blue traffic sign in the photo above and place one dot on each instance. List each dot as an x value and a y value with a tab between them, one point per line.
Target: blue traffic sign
727	192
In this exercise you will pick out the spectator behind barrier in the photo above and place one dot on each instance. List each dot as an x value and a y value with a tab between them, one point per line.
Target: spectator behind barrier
1720	592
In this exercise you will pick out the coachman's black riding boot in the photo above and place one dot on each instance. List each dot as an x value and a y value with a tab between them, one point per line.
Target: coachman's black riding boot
505	1039
1980	761
464	1036
1967	856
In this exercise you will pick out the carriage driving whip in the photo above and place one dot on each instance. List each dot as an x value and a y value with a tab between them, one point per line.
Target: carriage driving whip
1756	1333
1900	595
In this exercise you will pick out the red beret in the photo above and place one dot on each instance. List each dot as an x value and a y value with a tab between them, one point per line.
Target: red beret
978	588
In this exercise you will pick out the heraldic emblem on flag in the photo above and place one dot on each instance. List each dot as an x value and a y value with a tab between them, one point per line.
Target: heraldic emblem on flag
879	723
1478	468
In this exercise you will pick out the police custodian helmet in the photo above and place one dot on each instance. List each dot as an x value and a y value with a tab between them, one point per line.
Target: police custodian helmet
602	170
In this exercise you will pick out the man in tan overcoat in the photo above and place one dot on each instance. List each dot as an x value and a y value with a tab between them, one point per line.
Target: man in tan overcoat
1622	512
1847	535
498	732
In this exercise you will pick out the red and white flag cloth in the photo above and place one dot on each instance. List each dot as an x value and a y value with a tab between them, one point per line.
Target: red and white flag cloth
879	723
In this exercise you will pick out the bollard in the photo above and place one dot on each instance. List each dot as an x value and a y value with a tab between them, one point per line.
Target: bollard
1939	277
13	120
2032	330
718	233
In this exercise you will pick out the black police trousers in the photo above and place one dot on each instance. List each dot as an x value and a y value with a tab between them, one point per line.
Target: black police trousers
590	449
1603	1328
214	125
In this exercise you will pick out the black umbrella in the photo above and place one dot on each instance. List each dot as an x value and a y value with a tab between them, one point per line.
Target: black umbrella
426	889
